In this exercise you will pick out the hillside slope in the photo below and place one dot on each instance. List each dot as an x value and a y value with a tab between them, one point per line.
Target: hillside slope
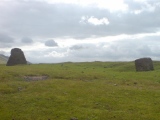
3	59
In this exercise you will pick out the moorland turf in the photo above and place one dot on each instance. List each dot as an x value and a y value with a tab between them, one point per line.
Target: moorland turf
83	91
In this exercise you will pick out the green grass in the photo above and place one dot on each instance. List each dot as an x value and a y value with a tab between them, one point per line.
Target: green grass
86	91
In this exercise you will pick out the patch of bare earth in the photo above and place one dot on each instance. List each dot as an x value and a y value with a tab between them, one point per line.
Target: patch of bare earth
35	78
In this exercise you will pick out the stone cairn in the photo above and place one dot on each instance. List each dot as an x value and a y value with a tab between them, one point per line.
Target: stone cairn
144	64
16	57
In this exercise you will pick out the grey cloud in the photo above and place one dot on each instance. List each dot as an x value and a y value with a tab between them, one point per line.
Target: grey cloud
83	51
145	50
51	43
127	50
61	20
123	50
6	41
26	40
2	52
78	47
152	39
48	55
40	20
144	22
5	38
5	45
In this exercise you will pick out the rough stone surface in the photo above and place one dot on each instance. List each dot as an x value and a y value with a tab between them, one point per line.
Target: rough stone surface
144	64
16	57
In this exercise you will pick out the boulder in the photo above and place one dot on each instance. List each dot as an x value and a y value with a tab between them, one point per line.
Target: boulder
144	64
16	57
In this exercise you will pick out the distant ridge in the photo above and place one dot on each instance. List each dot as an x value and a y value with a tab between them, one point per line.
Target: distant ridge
4	59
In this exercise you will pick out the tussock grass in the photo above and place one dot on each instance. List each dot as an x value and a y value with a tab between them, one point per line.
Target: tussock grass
86	91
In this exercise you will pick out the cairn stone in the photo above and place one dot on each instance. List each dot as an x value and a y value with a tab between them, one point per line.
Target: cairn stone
16	57
144	64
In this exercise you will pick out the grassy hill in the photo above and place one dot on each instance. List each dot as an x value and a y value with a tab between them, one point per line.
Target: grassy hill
80	91
3	59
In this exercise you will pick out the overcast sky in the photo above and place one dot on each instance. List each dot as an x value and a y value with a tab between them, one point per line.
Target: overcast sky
51	31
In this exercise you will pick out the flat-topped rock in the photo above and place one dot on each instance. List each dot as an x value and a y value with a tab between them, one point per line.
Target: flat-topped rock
16	57
144	64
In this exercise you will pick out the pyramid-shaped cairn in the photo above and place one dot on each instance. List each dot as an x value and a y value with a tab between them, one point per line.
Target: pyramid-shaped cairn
16	57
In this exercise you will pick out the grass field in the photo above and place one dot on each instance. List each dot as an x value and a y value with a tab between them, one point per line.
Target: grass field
80	91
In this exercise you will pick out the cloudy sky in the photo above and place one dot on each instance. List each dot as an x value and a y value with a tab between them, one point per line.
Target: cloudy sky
51	31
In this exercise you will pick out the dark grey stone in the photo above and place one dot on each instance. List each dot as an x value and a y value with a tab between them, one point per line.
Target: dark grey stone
144	64
16	57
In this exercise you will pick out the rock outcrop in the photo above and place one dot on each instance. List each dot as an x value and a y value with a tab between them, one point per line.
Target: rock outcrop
144	64
16	57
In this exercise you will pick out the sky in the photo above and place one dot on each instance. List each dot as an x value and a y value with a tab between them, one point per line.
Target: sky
54	31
